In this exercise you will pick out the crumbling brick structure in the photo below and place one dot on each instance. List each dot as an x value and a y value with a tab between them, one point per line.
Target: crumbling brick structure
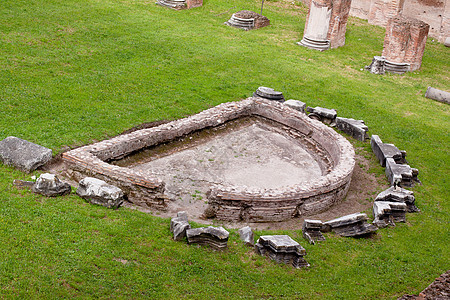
382	10
326	24
405	41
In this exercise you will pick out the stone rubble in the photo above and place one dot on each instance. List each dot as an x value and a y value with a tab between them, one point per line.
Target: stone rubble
296	104
388	213
325	115
377	65
246	235
398	194
383	151
269	93
311	231
49	185
179	225
356	128
401	174
247	20
216	237
98	192
23	155
282	249
354	225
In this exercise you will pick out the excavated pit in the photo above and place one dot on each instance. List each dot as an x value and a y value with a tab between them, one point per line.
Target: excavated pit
253	160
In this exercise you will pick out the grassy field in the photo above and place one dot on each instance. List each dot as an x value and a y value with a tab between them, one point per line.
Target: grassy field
77	71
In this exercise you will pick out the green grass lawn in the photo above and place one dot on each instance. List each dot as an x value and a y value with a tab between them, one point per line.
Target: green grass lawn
77	71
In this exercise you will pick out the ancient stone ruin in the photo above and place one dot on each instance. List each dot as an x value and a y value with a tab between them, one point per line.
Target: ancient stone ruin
325	115
269	94
382	10
282	249
247	20
246	235
180	4
404	45
179	225
98	192
388	213
326	24
49	185
216	237
354	225
356	128
255	190
398	194
311	230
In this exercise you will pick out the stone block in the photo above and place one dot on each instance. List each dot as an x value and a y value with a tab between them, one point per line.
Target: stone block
325	115
438	95
269	93
401	174
388	213
354	225
216	237
377	65
98	192
296	104
311	231
179	225
282	249
247	20
49	185
356	128
23	155
246	235
398	194
383	151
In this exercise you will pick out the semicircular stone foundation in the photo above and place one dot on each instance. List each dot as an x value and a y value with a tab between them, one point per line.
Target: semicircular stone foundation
288	165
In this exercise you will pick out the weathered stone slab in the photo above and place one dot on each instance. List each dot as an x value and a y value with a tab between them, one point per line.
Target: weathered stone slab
324	115
353	225
296	104
311	231
179	225
216	237
401	175
398	194
269	93
23	155
356	128
282	249
49	185
377	65
246	235
383	151
388	213
98	192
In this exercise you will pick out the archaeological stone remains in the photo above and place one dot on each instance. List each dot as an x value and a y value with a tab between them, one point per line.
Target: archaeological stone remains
180	4
282	249
246	235
398	194
311	230
216	237
259	191
438	95
179	225
325	115
49	185
356	128
98	192
388	213
404	45
23	155
381	11
269	94
326	24
247	20
296	104
354	225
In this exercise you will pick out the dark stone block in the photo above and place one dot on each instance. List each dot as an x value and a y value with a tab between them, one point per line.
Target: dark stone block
282	249
324	115
354	225
356	128
383	151
398	194
311	231
216	237
401	175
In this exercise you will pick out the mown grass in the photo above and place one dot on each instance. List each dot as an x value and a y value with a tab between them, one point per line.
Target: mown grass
77	71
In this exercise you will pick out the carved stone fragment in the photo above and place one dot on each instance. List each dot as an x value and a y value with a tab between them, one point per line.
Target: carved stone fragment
179	225
282	249
353	225
401	174
269	93
325	115
246	235
388	213
311	231
438	95
49	185
23	155
384	151
296	104
398	194
247	20
216	237
174	4
356	128
98	192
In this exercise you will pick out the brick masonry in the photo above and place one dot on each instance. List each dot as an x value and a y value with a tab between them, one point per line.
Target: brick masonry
226	202
405	41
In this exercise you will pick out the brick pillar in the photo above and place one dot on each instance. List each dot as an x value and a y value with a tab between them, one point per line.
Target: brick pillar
405	41
194	3
326	24
382	10
338	22
445	23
